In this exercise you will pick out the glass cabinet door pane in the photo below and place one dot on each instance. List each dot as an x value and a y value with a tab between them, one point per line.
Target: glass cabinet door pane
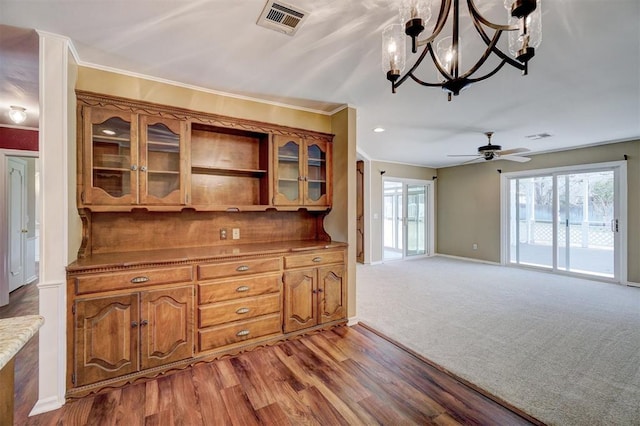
111	160
163	160
288	170
316	172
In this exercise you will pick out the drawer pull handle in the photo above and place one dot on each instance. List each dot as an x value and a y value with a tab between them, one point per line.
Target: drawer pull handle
138	280
242	333
242	289
317	259
242	268
242	311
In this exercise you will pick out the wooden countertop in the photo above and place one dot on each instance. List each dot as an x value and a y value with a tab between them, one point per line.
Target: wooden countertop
15	333
195	254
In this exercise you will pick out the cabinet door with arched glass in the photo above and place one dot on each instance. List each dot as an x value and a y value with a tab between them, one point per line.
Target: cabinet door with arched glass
317	176
302	172
111	158
288	171
162	160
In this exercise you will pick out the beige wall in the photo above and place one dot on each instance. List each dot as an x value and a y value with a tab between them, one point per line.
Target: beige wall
469	200
109	83
341	222
392	170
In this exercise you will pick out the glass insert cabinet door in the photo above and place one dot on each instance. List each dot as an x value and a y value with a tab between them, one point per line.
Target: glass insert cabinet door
161	170
133	159
112	157
301	172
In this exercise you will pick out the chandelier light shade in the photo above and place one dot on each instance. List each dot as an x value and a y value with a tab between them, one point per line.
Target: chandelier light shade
524	28
17	114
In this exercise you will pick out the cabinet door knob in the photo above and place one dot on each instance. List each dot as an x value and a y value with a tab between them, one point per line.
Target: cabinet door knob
319	290
242	333
143	168
143	323
134	167
242	289
242	311
134	324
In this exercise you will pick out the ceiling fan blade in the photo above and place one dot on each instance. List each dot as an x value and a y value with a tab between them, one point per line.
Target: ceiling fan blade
517	158
472	161
463	155
513	151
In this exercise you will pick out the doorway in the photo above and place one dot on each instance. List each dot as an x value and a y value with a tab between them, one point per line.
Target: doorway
19	243
407	213
569	220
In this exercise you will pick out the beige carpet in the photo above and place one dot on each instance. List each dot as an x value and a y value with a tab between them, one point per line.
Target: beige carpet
565	350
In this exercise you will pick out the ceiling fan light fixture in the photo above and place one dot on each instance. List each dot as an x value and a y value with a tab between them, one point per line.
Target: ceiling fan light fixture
17	114
523	26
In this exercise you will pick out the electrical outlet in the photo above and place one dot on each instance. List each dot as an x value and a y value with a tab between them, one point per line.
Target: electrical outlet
475	246
223	234
235	233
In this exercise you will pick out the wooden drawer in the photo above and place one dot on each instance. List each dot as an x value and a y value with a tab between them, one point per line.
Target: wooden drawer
235	310
221	290
132	279
235	332
238	268
313	259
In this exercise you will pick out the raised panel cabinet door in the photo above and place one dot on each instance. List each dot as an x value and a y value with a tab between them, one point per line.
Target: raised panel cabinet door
106	338
332	293
300	299
317	173
110	160
166	326
288	171
163	160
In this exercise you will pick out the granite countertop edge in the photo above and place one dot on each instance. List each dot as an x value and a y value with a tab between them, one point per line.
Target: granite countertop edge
15	333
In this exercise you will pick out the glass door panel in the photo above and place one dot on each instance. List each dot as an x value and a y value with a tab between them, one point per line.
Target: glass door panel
111	162
163	160
566	221
289	171
531	237
392	242
405	220
316	172
416	233
586	222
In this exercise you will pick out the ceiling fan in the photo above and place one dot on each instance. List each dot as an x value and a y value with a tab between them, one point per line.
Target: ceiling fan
495	152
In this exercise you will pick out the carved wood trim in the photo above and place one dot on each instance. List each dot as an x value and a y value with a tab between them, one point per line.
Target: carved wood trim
153	109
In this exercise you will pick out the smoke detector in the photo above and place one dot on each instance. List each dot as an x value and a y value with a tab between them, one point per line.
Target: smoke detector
281	17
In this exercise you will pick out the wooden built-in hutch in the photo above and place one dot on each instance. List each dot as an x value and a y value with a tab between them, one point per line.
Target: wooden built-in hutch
203	237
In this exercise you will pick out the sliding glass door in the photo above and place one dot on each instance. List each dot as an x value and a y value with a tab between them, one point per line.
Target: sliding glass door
567	220
405	207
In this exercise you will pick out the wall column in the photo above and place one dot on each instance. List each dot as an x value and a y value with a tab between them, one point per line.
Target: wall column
53	141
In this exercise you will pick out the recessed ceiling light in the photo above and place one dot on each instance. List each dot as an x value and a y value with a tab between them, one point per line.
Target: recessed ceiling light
108	132
378	129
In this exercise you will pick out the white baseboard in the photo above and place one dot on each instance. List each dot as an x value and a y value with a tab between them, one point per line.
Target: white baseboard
46	405
353	321
470	259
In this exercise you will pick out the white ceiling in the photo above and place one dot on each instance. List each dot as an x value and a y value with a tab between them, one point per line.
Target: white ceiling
583	86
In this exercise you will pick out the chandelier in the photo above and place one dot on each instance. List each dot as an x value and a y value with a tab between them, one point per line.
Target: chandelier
524	28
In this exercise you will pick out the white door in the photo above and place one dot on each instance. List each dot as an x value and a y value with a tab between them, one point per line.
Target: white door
406	213
569	219
17	208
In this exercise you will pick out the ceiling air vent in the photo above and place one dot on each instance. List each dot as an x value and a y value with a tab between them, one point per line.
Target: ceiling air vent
281	17
538	136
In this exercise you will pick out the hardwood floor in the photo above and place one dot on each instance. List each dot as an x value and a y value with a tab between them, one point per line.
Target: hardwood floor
346	376
24	301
